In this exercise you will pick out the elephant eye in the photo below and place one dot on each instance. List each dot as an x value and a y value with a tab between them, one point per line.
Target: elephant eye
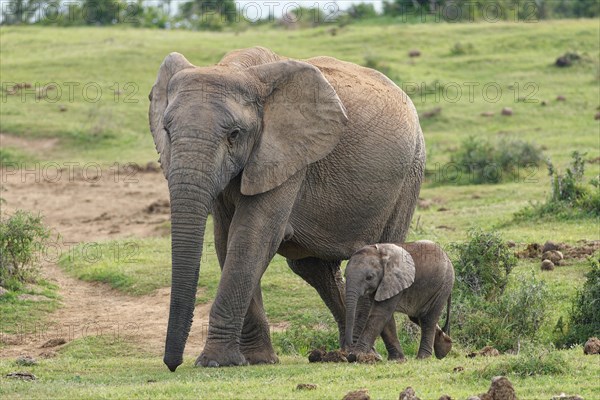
233	135
370	277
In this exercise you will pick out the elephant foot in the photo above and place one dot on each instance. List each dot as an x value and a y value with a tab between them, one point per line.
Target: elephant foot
220	358
260	357
397	357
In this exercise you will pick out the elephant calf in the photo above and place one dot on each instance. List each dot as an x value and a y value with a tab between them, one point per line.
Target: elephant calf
413	278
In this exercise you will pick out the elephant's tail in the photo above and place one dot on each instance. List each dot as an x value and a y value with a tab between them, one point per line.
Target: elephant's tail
446	327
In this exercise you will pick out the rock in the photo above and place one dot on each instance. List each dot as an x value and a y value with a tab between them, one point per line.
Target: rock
501	389
442	209
361	394
550	245
335	356
473	398
3	291
62	108
488	114
560	97
306	386
316	355
597	117
489	351
592	346
553	255
544	103
445	397
53	343
26	361
414	53
567	59
547	265
507	111
408	394
511	244
26	376
458	369
563	396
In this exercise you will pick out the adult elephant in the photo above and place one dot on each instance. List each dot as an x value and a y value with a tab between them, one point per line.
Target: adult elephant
309	159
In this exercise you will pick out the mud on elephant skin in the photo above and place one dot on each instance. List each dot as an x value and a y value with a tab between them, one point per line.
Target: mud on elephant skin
413	278
310	159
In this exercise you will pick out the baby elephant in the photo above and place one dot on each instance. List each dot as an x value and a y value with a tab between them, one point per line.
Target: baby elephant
413	278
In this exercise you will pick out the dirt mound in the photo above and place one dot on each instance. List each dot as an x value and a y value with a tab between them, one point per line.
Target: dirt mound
592	346
335	356
501	389
582	249
306	386
361	394
408	394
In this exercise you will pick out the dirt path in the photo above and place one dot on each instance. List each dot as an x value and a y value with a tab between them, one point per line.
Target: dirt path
84	203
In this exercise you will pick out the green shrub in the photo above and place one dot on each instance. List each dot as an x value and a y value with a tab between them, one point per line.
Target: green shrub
584	318
532	361
361	11
569	195
485	162
301	340
482	264
22	237
501	322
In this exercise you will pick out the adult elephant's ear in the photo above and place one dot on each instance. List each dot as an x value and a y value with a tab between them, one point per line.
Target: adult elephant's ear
398	271
172	64
303	120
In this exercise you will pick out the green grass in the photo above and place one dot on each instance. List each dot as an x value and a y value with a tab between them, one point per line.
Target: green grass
24	316
77	374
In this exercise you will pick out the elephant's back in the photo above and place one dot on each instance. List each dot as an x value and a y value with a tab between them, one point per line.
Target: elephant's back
364	89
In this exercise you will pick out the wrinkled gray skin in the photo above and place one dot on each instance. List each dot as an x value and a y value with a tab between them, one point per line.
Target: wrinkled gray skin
309	159
412	278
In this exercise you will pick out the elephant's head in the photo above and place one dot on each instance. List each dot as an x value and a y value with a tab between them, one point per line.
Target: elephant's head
382	270
442	343
253	115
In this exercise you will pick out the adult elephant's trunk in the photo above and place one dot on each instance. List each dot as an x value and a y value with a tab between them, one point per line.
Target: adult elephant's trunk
190	204
351	302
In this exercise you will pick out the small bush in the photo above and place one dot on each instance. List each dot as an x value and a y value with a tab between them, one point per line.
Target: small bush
584	318
482	264
532	361
486	162
301	340
22	237
569	196
502	323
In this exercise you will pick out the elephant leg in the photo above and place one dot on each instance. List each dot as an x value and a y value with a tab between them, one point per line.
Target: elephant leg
255	342
255	233
428	328
326	278
381	313
392	344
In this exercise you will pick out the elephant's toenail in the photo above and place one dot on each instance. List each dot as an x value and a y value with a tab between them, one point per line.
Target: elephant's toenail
213	364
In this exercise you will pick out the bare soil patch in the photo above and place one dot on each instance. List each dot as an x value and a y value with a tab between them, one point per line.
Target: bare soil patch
85	206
